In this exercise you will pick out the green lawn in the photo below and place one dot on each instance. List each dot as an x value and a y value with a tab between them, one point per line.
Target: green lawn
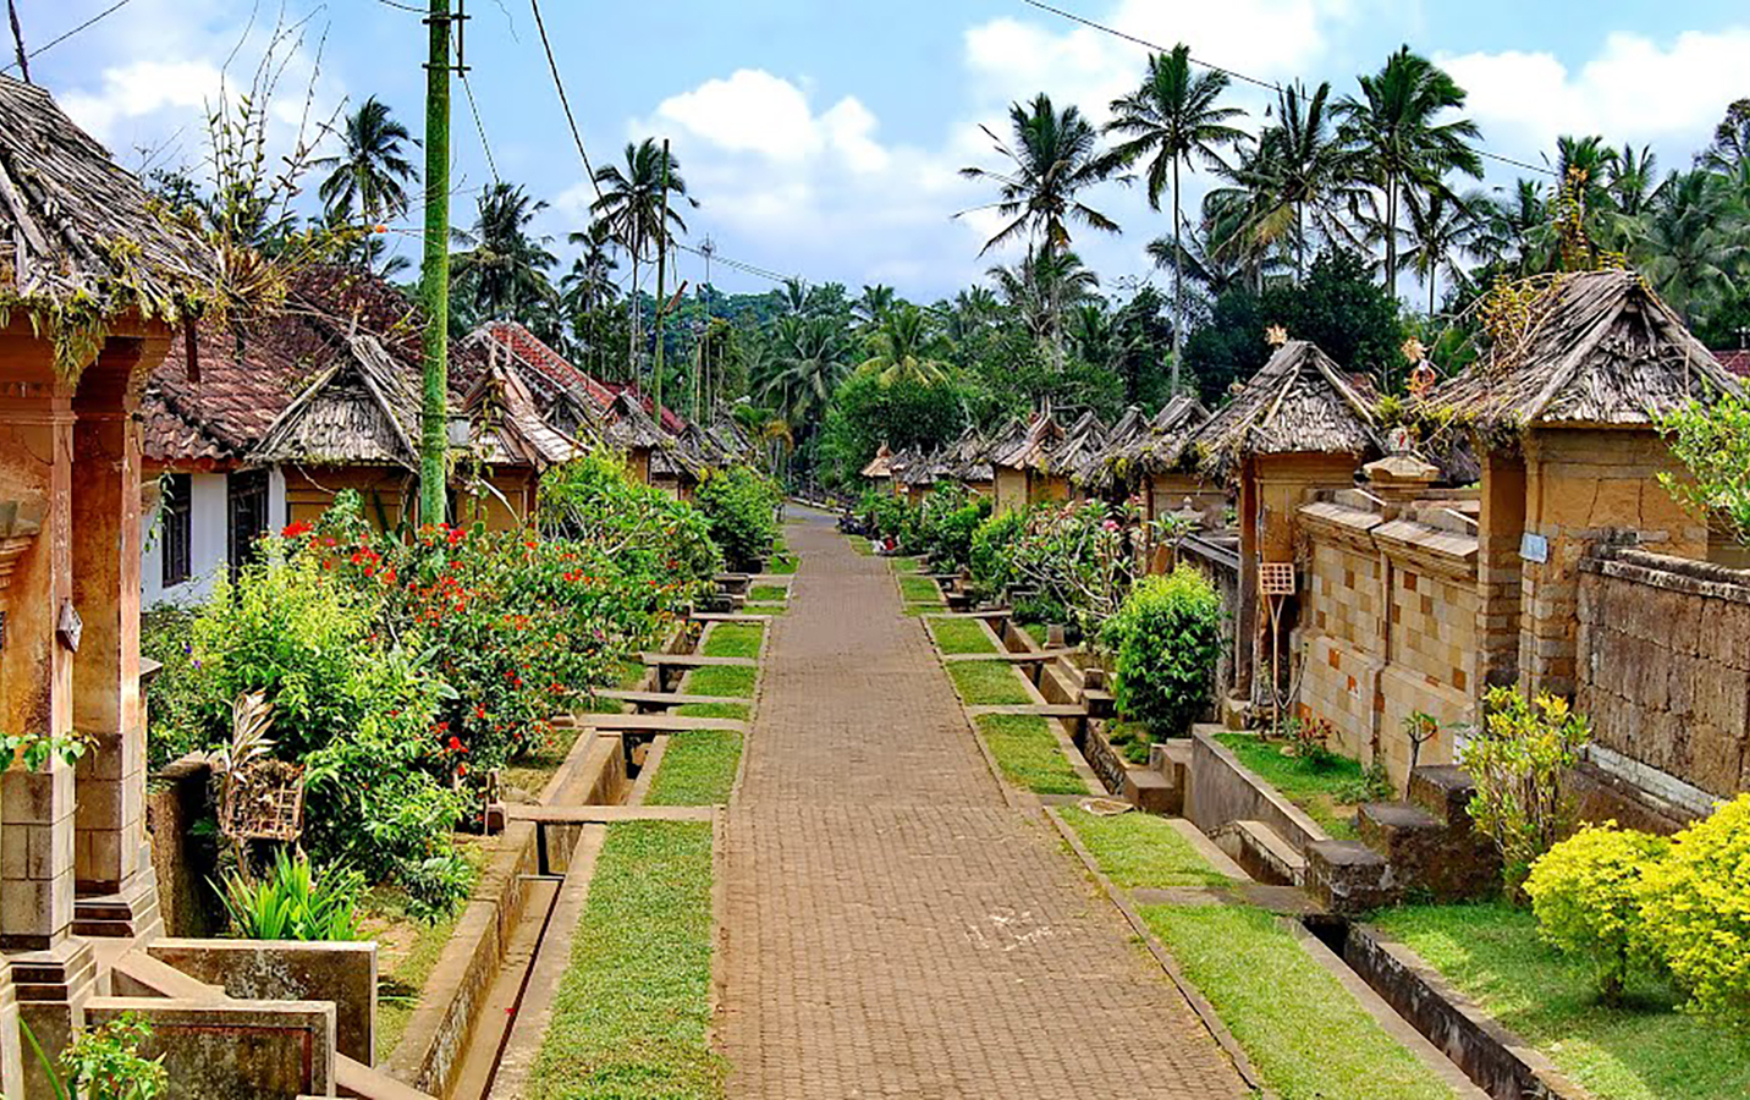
1307	1036
725	682
1039	632
962	636
919	590
697	769
736	711
1028	754
1325	791
862	545
783	562
734	640
1141	851
765	608
987	683
632	1013
768	593
908	565
400	983
1644	1050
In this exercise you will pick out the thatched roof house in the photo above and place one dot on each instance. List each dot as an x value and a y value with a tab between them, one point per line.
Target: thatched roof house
968	460
1600	349
1082	442
1301	402
82	244
1095	472
879	468
508	429
1029	449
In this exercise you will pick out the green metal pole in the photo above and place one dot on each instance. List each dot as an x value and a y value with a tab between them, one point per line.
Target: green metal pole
661	272
435	272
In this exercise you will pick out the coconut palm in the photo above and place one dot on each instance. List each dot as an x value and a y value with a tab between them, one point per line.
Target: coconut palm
793	299
904	345
1693	242
632	203
1730	148
1395	132
1054	156
1041	287
1442	230
1303	170
872	307
590	282
809	362
502	270
369	176
1173	119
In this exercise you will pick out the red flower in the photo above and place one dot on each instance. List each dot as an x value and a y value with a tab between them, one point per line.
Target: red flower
294	530
480	710
456	745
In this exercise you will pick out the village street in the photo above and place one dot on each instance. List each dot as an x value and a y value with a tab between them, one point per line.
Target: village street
893	926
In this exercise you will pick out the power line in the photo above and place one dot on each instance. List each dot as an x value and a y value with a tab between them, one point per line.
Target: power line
56	41
553	65
1234	73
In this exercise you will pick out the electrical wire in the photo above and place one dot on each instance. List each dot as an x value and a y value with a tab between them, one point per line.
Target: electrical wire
64	35
564	101
1235	73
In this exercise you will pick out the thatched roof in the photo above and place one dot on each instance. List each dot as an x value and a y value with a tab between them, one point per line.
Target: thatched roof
1301	402
734	442
1032	448
917	468
969	458
1082	443
1095	470
1600	349
81	242
507	427
629	427
364	410
879	468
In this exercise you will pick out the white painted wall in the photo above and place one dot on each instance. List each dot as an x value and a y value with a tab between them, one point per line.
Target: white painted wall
207	545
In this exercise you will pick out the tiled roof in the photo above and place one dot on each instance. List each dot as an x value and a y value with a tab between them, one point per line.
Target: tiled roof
1736	360
553	371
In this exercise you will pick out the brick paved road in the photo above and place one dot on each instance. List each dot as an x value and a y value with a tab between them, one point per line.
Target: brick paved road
892	927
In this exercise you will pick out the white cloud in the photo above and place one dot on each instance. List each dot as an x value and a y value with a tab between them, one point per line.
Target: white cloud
139	89
1633	90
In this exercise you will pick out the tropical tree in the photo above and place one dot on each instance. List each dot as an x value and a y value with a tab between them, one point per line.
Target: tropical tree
1442	229
369	176
809	363
1041	287
904	348
1730	148
1693	242
632	204
873	305
1173	119
589	284
1303	169
502	270
1402	140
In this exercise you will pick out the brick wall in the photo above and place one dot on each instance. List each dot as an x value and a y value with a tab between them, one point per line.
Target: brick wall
1664	665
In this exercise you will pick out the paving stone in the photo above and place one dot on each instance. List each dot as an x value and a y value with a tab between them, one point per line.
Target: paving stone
892	926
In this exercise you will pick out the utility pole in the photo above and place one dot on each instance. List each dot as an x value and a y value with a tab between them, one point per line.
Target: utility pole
435	271
708	248
18	40
661	272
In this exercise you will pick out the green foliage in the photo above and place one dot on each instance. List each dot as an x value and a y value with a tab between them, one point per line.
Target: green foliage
1079	557
1713	441
945	523
742	508
883	512
1586	892
104	1063
1697	908
178	696
993	554
867	411
1518	759
33	750
291	901
593	500
1166	640
1029	754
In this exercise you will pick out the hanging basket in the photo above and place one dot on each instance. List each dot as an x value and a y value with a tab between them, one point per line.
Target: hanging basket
263	800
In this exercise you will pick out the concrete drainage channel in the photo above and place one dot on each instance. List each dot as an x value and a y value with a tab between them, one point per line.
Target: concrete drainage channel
485	1009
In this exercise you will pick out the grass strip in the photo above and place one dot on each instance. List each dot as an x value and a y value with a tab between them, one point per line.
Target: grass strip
399	988
1141	851
725	682
1319	788
783	562
907	565
765	608
632	1012
737	711
1028	754
697	769
862	546
1039	632
962	636
1303	1031
768	593
987	684
1644	1049
734	640
919	590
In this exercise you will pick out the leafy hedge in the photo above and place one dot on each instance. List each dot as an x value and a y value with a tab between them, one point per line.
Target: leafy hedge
741	506
1166	640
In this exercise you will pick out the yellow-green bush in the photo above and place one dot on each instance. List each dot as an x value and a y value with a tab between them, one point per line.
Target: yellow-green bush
1166	640
1697	909
1586	892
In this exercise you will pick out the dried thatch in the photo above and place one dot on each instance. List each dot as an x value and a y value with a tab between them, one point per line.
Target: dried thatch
630	428
1031	448
81	242
880	468
1093	470
508	429
968	460
1600	349
362	411
1299	403
1082	442
734	442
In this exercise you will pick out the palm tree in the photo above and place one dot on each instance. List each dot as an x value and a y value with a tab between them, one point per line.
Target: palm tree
903	346
1443	228
1173	119
1394	130
502	270
810	364
1692	242
872	306
1302	169
793	299
590	282
1041	287
632	203
369	176
1731	145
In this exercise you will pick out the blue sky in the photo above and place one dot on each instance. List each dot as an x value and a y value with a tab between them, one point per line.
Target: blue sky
823	138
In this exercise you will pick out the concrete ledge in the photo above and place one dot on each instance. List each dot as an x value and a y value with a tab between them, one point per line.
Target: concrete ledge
234	1050
1222	790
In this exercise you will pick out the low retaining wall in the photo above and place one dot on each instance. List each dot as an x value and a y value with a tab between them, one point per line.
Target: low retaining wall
1102	758
182	858
1496	1059
234	1050
1222	791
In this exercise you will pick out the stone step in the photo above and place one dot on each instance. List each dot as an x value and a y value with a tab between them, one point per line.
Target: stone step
1443	790
1428	855
1390	828
1151	792
1100	703
1263	853
1347	877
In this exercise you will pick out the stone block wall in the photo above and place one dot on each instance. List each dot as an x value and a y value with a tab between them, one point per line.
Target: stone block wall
1664	666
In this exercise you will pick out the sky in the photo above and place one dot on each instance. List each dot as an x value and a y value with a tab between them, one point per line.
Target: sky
823	138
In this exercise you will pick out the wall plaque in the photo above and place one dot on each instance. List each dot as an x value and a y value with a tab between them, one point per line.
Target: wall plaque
69	626
1534	548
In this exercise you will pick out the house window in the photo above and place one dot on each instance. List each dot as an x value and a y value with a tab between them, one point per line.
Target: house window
178	533
247	515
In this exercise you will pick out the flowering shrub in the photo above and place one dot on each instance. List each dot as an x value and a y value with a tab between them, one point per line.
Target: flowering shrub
1697	910
1079	556
1518	759
944	524
993	554
1586	892
1166	639
646	532
742	508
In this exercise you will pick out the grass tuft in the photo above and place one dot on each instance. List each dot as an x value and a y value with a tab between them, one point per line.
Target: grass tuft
988	684
768	593
1142	851
737	711
632	1014
1319	789
734	640
725	682
919	590
1028	754
697	769
962	636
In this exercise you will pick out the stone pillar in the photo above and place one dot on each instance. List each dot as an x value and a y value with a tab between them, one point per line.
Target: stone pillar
111	847
1500	529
